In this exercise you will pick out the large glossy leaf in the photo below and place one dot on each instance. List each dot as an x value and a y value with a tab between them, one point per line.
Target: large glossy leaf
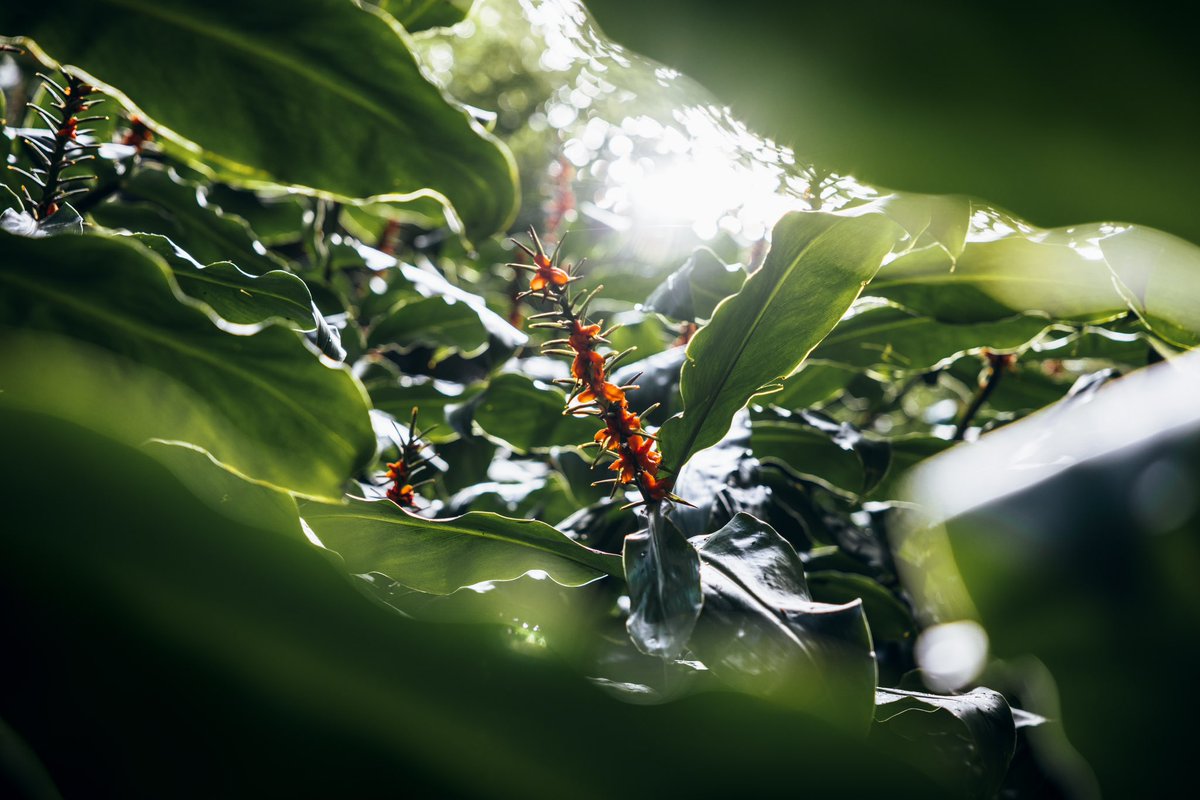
141	611
102	325
528	416
760	631
440	556
966	741
431	321
323	95
1085	273
159	201
691	292
887	336
237	296
663	573
816	445
817	266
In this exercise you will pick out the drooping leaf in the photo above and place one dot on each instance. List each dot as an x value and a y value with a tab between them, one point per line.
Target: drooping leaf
430	283
1086	273
887	336
760	631
690	293
440	556
817	266
335	88
966	741
663	573
102	325
236	295
159	201
528	416
419	15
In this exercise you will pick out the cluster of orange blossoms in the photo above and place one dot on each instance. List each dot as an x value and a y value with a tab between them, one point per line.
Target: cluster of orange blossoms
400	472
637	460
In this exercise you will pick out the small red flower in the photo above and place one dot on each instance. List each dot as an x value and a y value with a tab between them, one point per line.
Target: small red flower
547	274
403	496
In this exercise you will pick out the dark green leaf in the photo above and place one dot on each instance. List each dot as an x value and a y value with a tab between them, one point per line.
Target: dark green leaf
813	384
1086	273
761	632
815	445
886	336
890	620
663	573
440	556
817	266
966	741
235	295
431	321
303	93
527	416
161	202
105	335
691	292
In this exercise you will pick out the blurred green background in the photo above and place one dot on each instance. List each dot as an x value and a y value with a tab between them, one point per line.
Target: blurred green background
1062	113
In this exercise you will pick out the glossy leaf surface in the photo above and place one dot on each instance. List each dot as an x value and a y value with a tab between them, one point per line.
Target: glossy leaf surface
316	113
440	556
817	266
263	404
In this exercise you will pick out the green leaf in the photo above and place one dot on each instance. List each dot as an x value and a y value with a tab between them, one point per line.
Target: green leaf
889	619
398	395
813	384
691	292
229	495
817	266
811	444
663	573
761	632
1086	273
161	202
887	336
440	556
235	295
321	95
107	336
419	15
431	321
528	416
966	741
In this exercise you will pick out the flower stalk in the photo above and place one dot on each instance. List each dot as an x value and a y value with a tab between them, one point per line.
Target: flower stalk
633	450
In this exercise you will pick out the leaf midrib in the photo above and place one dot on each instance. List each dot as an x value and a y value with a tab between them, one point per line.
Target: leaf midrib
758	318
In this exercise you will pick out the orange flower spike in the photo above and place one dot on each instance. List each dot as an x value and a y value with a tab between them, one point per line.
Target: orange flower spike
643	450
625	467
397	470
588	368
655	489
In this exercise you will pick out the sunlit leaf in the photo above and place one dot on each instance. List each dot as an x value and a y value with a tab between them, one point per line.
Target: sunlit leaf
440	556
691	292
321	114
237	296
817	266
104	334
